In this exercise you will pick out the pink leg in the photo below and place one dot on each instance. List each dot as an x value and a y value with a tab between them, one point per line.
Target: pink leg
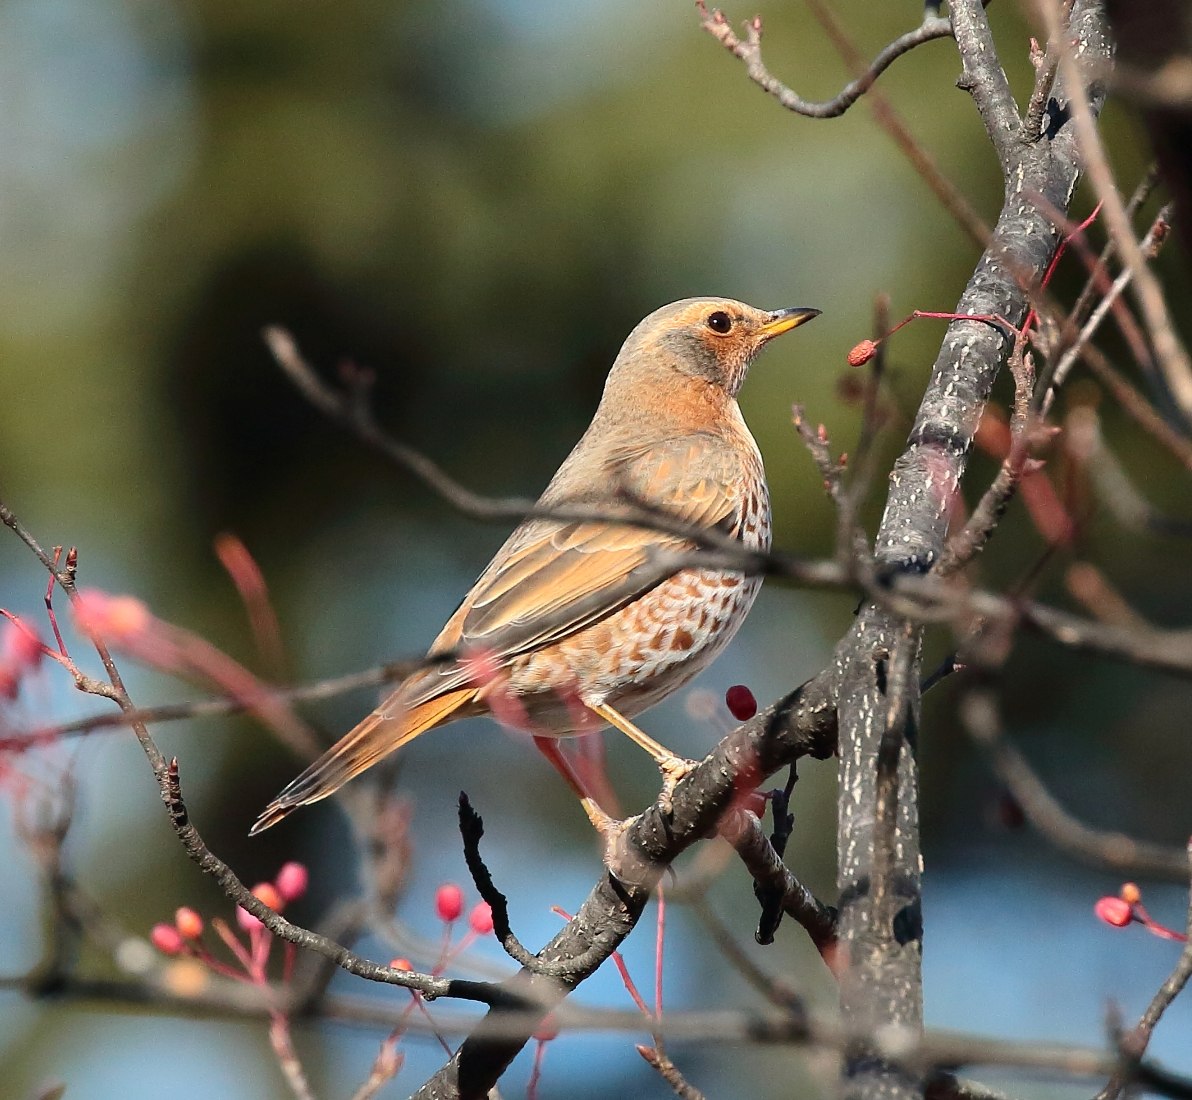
606	826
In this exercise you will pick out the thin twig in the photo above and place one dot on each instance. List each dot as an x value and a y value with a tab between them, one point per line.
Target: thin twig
471	828
1135	1042
963	546
1151	244
744	832
1100	848
169	784
1170	353
892	122
984	78
748	50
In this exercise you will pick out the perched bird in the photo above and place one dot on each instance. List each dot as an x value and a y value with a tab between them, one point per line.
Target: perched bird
578	611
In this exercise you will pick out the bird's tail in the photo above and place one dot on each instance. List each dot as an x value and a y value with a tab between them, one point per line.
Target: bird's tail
374	738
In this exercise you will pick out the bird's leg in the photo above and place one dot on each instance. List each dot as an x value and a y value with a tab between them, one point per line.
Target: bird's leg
608	827
674	768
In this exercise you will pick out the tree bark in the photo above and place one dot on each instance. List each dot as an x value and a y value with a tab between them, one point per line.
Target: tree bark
880	863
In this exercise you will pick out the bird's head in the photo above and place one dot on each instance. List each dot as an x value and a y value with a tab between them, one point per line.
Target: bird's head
712	339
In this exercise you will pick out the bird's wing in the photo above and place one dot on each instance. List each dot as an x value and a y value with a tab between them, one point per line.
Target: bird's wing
551	579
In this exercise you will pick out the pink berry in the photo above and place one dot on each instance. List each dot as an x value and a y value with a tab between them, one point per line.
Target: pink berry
480	920
741	703
167	939
449	902
188	923
1114	911
292	881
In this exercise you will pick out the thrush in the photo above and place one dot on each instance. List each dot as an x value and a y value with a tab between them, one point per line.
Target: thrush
575	621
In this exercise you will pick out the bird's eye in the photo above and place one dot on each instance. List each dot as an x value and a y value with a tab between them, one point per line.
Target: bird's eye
720	322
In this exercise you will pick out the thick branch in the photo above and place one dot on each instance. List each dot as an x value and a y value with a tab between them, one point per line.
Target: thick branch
882	987
801	725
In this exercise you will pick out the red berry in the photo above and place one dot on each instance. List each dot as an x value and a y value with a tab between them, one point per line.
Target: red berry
449	902
741	703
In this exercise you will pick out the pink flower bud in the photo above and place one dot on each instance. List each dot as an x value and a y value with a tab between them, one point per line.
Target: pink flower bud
20	651
449	902
400	964
116	618
292	880
862	353
547	1030
741	703
247	922
20	647
480	920
1114	911
188	923
167	939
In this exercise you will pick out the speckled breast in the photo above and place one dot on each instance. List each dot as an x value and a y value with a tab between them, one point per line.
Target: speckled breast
637	656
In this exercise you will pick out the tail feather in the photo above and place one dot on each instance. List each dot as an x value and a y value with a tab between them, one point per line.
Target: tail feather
374	738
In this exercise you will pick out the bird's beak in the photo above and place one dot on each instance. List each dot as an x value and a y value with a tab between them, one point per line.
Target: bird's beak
783	320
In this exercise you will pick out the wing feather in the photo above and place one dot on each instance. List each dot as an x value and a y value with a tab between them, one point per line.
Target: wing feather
555	573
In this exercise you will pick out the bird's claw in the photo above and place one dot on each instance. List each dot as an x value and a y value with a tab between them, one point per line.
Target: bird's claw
674	770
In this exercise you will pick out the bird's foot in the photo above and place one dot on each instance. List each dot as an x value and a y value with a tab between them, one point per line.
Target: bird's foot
618	856
611	829
674	770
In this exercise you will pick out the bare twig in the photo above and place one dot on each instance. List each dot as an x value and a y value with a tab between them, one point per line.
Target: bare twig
1046	64
1170	353
1097	847
1135	1042
983	78
669	1072
1136	406
1141	193
748	50
963	546
744	832
1151	244
471	828
169	784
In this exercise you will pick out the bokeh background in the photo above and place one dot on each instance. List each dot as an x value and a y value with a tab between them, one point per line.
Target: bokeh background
479	199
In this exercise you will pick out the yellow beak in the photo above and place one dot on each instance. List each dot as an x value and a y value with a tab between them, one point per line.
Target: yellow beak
783	320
